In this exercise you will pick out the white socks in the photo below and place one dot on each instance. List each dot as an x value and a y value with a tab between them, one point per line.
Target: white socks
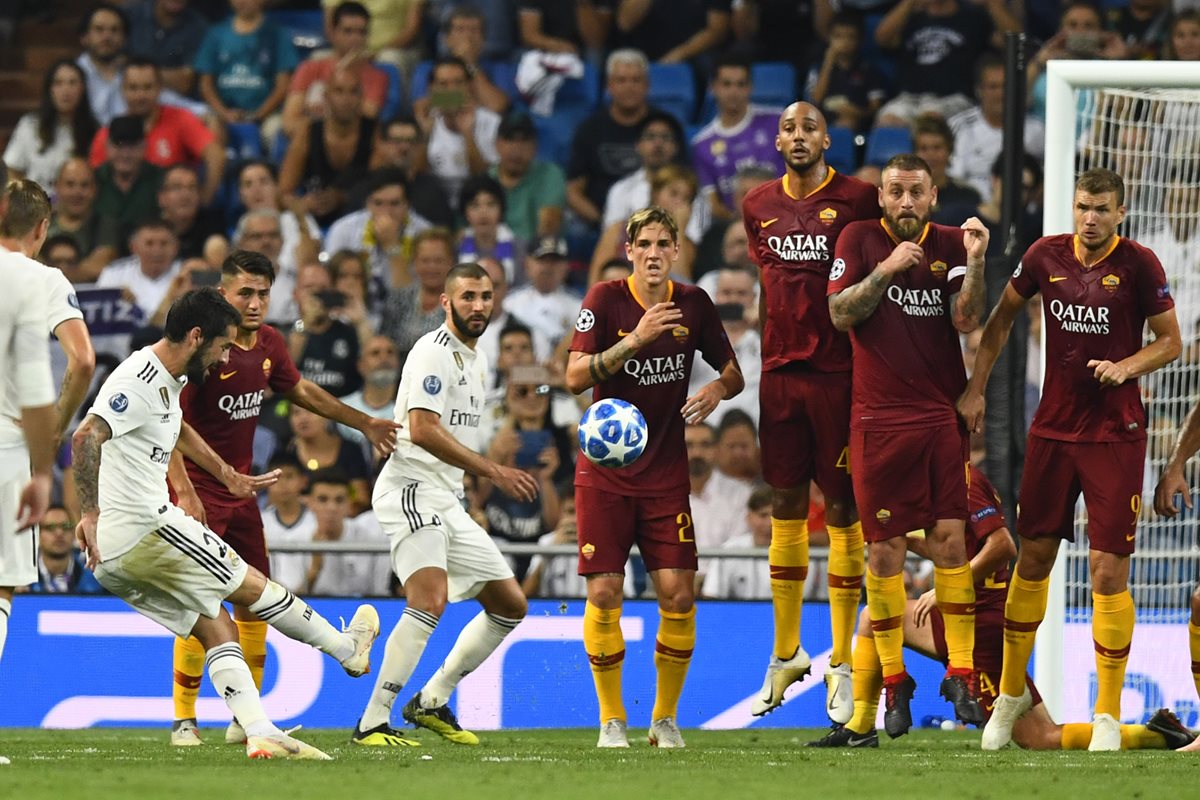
478	640
228	671
297	620
404	648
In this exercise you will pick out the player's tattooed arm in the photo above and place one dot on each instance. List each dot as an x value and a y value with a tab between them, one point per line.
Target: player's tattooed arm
585	370
851	306
89	437
967	304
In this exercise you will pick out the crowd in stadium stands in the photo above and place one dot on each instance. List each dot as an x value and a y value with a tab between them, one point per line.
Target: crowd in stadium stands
368	147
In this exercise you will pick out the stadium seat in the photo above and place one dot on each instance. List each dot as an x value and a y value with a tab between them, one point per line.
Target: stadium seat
673	89
395	90
774	84
554	138
883	143
307	27
842	154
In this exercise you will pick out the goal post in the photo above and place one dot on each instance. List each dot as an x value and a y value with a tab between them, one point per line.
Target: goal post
1141	118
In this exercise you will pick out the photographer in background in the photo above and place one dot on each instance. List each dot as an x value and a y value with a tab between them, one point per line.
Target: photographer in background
323	347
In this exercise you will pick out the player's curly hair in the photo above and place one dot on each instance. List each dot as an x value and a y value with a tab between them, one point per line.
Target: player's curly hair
202	308
653	215
1099	180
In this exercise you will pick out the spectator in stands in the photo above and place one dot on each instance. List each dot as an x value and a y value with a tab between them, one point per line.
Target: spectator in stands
475	31
287	519
399	141
674	31
935	142
261	231
126	185
660	142
62	253
169	33
379	365
352	278
715	516
102	36
459	131
63	126
737	456
1080	35
348	31
323	347
344	574
150	270
414	308
557	575
979	131
1142	24
316	445
501	324
604	148
61	568
580	27
384	230
737	306
172	135
846	87
535	190
394	34
615	269
709	255
545	304
937	43
741	135
775	30
329	155
1183	42
75	215
201	231
744	578
990	212
244	64
300	235
481	204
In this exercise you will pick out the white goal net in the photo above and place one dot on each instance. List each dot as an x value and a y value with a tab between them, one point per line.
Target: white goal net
1143	121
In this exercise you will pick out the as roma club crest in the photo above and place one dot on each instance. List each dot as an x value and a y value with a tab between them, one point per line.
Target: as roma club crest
267	367
1110	283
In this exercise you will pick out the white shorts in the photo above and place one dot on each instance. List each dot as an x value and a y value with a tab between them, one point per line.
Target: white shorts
175	573
428	527
18	549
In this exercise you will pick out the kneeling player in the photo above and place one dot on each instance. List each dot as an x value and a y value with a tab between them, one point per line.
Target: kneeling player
164	563
635	339
990	549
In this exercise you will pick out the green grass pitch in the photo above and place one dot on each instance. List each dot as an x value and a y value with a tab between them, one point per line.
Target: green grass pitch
564	765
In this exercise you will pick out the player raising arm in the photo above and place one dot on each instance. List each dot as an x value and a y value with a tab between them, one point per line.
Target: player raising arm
635	339
905	288
1089	433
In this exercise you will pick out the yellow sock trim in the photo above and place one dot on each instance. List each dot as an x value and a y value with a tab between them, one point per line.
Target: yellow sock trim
868	683
1194	649
1076	735
605	647
672	655
955	591
1139	737
1112	633
788	556
886	601
845	587
252	636
189	674
1023	613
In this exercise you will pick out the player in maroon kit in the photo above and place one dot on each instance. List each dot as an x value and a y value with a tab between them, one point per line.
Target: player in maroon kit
635	339
906	288
224	410
1089	434
792	225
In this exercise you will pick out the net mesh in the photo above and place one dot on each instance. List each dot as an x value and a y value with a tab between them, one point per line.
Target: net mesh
1151	137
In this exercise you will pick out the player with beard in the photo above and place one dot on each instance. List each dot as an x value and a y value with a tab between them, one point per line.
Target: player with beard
792	225
905	289
439	553
224	410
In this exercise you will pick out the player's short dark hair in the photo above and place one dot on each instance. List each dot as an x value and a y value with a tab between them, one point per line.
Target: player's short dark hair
1099	180
933	125
86	21
760	498
731	60
350	8
465	270
653	215
735	418
334	476
249	262
513	326
907	162
477	185
28	205
203	308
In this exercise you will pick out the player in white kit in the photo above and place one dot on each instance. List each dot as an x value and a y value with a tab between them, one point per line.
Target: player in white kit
165	564
438	552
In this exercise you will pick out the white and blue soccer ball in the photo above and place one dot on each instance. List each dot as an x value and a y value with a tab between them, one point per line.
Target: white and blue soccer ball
612	433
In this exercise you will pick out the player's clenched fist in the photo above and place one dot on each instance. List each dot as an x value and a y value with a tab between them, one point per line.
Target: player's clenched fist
1108	373
658	319
906	256
971	407
975	237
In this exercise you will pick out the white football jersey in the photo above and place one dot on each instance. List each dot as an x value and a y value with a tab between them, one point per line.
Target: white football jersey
140	403
24	347
446	377
61	305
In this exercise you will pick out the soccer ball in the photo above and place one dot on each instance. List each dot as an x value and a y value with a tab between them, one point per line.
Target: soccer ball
612	433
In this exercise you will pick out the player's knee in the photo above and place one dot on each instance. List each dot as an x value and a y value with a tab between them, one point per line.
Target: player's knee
789	503
1029	735
840	512
430	602
677	600
1109	573
605	592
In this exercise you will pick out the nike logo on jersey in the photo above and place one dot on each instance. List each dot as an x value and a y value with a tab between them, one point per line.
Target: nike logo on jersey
1057	278
1129	537
766	223
623	333
227	375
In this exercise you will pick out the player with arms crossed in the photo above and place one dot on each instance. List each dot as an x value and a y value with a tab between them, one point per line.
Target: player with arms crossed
792	225
166	564
439	553
224	411
635	339
906	288
1089	433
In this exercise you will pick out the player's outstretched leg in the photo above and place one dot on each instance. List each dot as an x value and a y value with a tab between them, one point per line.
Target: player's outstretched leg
1163	731
788	556
845	590
605	647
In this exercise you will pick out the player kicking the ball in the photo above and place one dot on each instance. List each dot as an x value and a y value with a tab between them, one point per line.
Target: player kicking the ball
635	339
164	563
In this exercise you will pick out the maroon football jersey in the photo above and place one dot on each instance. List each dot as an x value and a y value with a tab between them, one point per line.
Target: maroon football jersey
655	380
908	366
792	240
986	518
1095	313
224	407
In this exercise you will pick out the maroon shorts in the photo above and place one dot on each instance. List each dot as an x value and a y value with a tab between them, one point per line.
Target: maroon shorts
988	654
1109	474
241	527
906	480
804	425
611	524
